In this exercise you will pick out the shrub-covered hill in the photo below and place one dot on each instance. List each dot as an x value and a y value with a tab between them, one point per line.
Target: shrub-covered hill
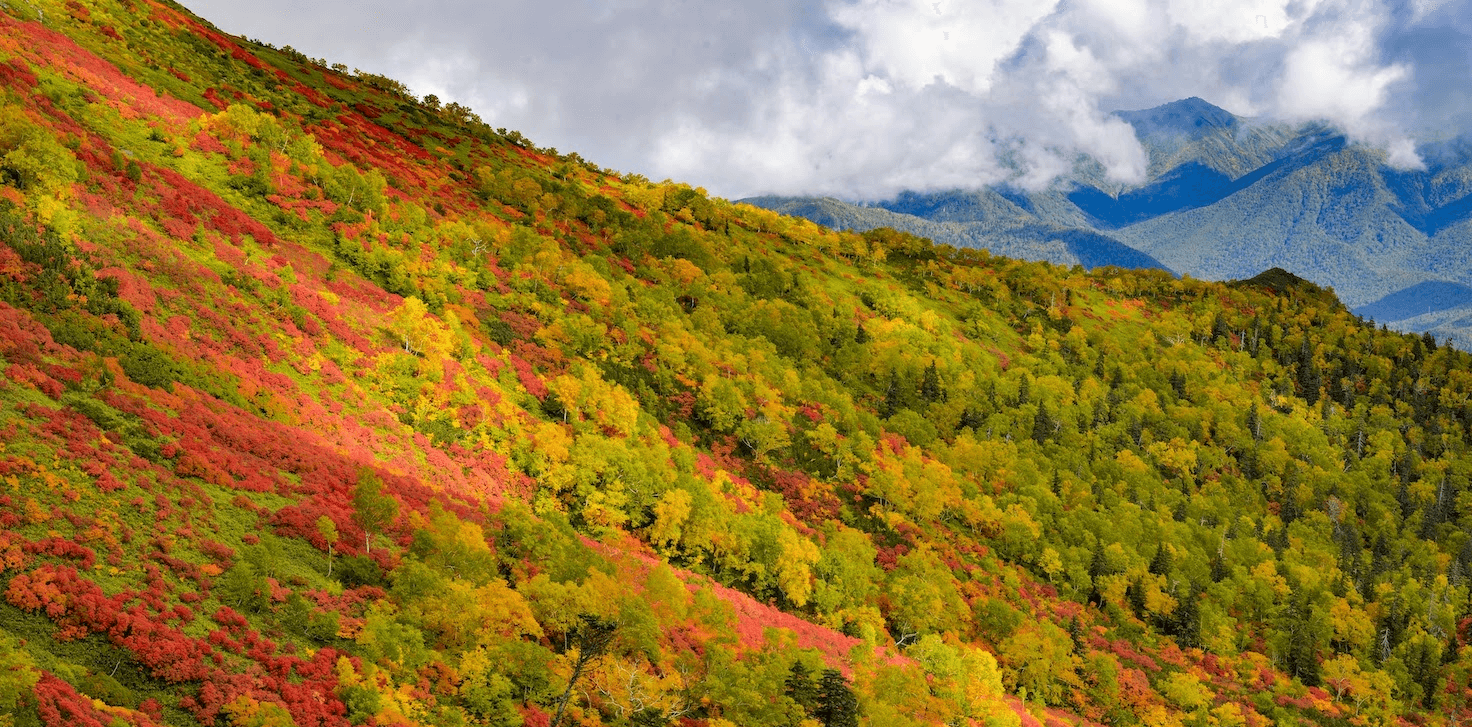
326	405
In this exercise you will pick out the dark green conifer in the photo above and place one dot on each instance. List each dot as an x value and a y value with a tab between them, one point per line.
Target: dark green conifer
1163	561
1219	570
801	688
1076	635
1042	424
1219	329
837	705
892	400
1185	622
930	387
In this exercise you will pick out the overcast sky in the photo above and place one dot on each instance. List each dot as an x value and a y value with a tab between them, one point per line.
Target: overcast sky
864	98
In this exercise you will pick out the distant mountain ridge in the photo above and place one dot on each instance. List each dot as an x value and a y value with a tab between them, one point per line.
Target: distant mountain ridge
1225	197
973	221
1417	300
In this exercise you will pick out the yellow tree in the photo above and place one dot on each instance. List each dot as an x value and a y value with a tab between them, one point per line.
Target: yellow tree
795	561
420	334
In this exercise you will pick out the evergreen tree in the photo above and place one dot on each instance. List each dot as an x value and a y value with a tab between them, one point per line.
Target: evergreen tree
1219	570
1302	658
1309	378
837	705
1185	622
1042	425
243	588
1135	594
1219	329
1288	510
892	400
801	688
1163	561
970	417
1076	635
930	388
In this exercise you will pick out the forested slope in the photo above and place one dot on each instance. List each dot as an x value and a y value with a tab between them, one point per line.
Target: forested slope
326	405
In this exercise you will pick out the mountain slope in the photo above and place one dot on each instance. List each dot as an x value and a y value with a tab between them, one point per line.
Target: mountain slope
1322	209
1192	132
325	405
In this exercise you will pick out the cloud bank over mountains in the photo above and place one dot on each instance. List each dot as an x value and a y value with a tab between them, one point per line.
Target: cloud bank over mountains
864	98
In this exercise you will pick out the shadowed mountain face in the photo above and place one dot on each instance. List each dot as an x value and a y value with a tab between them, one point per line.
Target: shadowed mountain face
1225	198
1426	206
1188	186
1418	300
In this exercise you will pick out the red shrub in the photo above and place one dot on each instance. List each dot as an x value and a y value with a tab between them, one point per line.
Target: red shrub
60	706
61	548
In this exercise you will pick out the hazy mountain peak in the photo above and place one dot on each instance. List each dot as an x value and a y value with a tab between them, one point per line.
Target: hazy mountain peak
1191	117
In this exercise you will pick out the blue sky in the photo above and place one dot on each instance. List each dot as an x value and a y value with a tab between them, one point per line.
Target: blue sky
864	98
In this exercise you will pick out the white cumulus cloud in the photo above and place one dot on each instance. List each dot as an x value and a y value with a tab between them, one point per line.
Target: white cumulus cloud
865	98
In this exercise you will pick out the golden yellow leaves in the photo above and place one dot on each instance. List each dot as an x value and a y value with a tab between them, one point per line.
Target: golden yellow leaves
1186	691
30	156
585	396
1177	458
245	711
465	615
420	334
670	514
795	566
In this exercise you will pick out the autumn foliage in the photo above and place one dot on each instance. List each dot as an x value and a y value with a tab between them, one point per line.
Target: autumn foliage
322	404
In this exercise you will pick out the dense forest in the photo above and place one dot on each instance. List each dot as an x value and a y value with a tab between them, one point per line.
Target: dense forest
327	405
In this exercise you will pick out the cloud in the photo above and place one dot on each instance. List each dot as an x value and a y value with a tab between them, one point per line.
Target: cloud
920	42
865	98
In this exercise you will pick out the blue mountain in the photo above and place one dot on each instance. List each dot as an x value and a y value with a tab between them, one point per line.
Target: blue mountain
1191	117
1227	197
988	219
1188	186
1431	296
